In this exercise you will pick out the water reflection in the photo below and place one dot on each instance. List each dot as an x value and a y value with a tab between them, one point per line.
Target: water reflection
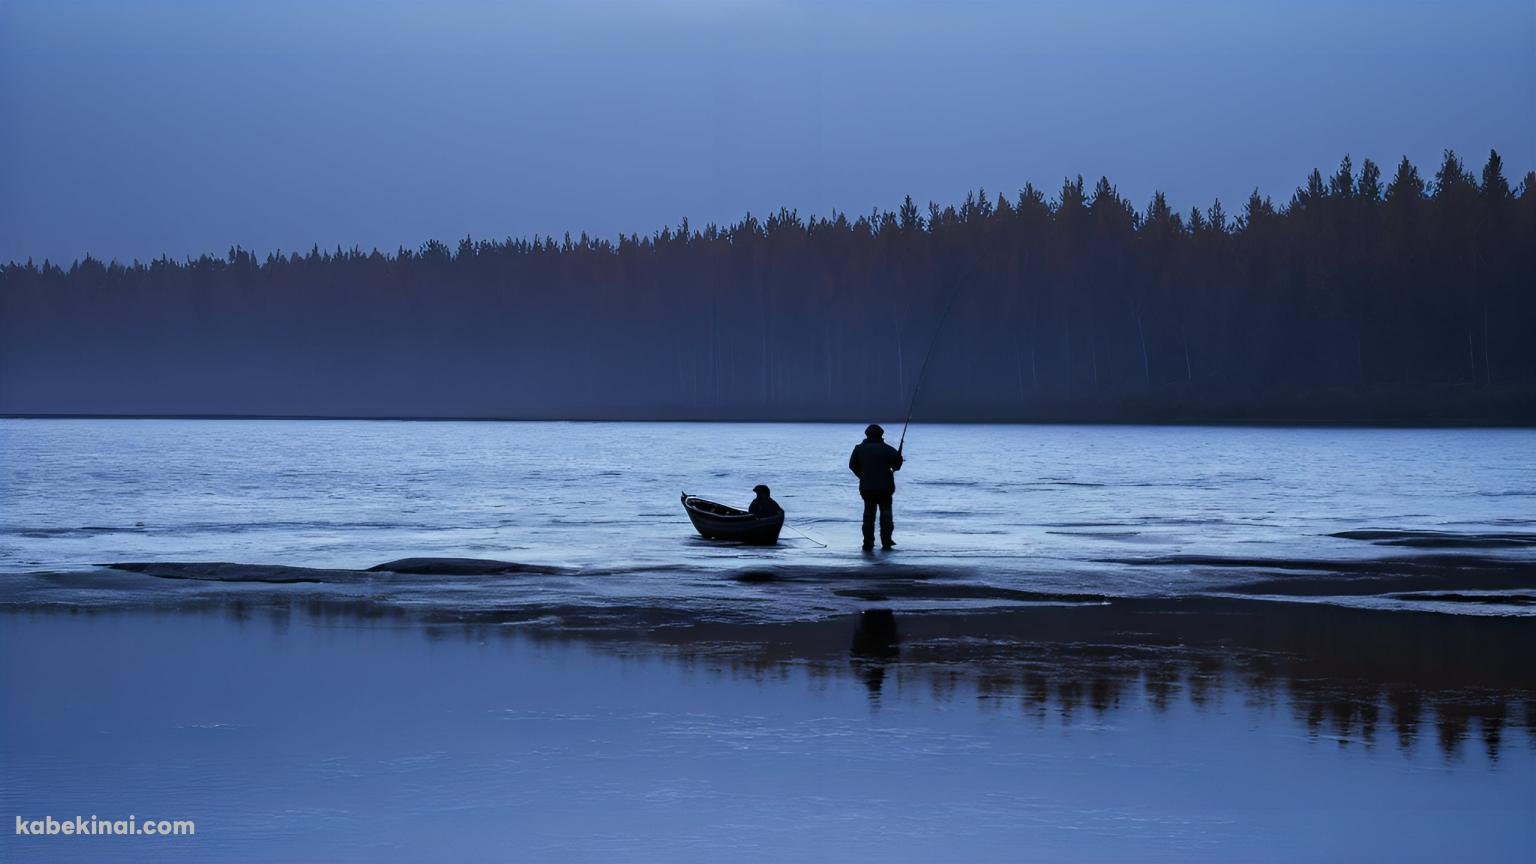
1360	678
1344	674
876	642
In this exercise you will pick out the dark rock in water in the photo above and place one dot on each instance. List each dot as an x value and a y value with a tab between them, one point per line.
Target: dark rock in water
221	571
876	635
1440	539
1368	566
1452	597
280	574
861	574
964	592
1442	572
459	567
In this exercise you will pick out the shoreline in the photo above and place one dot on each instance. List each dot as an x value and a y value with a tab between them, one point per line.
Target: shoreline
1354	670
1229	423
1479	575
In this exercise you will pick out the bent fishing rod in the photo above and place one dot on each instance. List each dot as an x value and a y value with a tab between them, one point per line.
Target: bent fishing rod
923	370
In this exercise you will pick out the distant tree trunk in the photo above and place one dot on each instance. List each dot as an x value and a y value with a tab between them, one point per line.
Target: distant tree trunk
714	344
1146	364
1093	352
1069	349
1189	374
1487	369
682	369
1360	355
762	362
826	364
763	355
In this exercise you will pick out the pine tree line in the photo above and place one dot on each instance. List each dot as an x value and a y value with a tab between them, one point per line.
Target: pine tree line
1360	298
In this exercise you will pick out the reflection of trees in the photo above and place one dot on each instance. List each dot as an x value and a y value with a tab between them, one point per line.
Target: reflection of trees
1359	677
1350	711
1344	674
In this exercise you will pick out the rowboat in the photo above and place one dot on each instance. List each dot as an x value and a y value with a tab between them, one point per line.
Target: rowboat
716	521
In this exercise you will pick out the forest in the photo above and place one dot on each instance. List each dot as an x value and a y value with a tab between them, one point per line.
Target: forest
1363	298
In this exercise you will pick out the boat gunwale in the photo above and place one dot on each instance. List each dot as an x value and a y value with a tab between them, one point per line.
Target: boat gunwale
739	525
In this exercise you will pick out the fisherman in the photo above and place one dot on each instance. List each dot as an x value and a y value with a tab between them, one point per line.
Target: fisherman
874	463
762	505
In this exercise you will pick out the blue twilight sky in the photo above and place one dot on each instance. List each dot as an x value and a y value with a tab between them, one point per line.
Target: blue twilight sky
131	129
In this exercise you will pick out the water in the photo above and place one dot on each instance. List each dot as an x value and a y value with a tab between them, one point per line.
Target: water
1039	508
287	739
1110	643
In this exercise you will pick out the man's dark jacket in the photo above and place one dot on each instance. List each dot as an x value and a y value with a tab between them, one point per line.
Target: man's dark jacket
874	461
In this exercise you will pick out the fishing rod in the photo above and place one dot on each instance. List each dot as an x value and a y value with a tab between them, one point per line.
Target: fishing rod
923	370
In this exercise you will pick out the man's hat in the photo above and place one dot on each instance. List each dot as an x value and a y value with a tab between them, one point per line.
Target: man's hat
873	430
760	489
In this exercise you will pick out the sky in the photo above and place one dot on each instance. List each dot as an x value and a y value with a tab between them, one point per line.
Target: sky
134	129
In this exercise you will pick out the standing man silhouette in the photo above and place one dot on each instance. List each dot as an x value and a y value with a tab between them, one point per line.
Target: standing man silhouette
875	462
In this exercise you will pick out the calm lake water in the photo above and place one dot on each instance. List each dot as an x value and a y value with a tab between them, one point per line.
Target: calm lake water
1107	644
293	740
1042	508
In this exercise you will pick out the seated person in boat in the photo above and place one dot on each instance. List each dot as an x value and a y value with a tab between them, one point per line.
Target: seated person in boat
762	505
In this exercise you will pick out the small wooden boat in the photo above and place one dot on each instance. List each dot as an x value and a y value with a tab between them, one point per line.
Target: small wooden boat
716	521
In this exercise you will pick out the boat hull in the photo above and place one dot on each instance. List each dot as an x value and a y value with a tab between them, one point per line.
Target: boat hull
716	521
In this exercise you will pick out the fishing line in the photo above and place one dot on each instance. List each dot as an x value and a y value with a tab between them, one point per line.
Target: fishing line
805	535
923	370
